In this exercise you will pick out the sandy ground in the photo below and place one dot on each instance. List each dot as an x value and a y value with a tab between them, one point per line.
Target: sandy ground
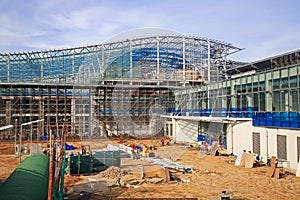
210	176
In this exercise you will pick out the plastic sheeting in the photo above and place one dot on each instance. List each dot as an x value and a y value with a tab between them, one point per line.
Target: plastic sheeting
28	181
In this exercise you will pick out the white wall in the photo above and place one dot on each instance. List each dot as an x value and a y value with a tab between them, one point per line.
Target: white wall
185	130
269	143
240	138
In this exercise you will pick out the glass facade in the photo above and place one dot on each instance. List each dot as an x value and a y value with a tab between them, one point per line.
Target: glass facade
270	98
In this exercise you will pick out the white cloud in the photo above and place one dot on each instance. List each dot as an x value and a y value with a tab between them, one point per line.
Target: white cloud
279	44
260	28
94	24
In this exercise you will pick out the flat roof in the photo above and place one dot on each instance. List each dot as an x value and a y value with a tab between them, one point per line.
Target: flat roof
208	119
268	63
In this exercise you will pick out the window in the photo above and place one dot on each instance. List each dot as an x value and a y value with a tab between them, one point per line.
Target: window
262	105
255	100
171	130
276	84
256	143
298	149
294	100
262	86
293	81
276	101
255	87
167	129
281	147
284	83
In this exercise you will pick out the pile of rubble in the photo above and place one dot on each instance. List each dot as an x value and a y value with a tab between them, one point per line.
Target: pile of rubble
166	163
113	173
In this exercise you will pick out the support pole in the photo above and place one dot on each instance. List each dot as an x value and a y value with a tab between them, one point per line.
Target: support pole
130	60
30	138
16	121
157	60
208	72
183	59
20	147
208	61
51	165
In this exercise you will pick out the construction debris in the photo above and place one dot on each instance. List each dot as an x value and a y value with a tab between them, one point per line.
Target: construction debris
125	151
154	171
225	194
165	162
155	180
298	169
245	159
113	173
249	160
222	151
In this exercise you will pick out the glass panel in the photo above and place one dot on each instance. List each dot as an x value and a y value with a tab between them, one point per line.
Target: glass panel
249	87
228	91
262	77
284	73
249	79
224	84
294	100
238	101
229	83
269	81
255	100
293	71
276	101
262	86
293	81
243	80
262	104
255	78
284	97
228	102
255	86
276	84
244	101
237	86
284	83
276	75
244	88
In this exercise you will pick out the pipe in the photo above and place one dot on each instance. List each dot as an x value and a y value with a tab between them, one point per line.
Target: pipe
50	183
267	138
51	166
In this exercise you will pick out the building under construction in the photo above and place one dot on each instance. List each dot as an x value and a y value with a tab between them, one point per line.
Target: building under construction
152	82
120	87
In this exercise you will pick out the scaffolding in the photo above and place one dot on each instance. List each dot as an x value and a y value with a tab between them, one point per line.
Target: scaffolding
110	89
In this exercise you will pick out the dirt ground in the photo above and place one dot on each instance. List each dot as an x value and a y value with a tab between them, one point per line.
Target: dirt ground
210	176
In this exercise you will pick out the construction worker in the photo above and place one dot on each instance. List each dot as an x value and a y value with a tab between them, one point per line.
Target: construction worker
162	142
145	151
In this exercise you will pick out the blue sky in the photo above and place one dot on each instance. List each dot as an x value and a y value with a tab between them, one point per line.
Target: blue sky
263	27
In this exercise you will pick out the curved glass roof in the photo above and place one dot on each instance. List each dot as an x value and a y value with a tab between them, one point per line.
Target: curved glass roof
136	54
140	33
